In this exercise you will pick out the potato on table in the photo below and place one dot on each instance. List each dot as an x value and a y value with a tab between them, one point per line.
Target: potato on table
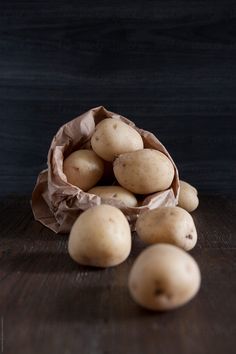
115	192
83	168
113	137
188	198
100	237
164	277
172	225
144	171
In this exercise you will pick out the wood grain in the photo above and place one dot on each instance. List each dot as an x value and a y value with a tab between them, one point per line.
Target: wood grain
49	304
168	66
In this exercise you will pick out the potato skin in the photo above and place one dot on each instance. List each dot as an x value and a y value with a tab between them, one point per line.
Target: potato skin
83	168
100	237
172	225
116	192
113	137
188	198
144	171
164	277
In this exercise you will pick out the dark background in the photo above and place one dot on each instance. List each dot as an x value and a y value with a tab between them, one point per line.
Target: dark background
169	66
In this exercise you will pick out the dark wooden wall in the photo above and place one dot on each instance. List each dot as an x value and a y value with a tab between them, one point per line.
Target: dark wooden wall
168	65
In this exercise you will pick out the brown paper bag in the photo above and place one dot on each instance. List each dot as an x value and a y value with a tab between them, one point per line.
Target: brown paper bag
56	203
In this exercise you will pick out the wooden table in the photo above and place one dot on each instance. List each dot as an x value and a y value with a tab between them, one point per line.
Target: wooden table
49	304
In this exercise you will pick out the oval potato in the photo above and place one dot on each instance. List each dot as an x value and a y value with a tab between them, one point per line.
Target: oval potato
188	198
113	137
83	168
100	237
144	171
116	192
172	225
164	277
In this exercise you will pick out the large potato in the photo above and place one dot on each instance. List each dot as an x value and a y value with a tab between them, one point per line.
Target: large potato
83	168
113	137
188	198
116	192
144	171
167	225
100	237
164	277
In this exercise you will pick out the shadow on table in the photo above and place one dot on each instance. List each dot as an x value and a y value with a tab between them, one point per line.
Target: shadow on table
41	262
86	304
35	256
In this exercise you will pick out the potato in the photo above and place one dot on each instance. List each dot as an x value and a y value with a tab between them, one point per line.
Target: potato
116	192
100	237
83	168
144	171
193	188
113	137
163	277
188	198
167	225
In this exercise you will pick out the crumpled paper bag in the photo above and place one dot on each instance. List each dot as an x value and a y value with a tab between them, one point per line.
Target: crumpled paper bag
57	203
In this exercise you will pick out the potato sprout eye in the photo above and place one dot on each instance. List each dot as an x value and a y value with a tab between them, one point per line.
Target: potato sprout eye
158	292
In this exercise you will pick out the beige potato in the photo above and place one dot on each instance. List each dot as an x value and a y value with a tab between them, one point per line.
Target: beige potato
164	277
83	168
116	192
188	185
172	225
188	198
113	137
193	188
100	237
144	171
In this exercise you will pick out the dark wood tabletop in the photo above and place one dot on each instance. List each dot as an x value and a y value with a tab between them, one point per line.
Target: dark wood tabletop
50	304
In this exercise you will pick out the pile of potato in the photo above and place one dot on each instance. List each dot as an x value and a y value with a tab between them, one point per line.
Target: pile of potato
164	276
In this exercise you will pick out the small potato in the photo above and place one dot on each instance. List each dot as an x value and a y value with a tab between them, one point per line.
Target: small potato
83	168
193	188
116	192
167	225
163	277
113	137
144	171
188	198
100	237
